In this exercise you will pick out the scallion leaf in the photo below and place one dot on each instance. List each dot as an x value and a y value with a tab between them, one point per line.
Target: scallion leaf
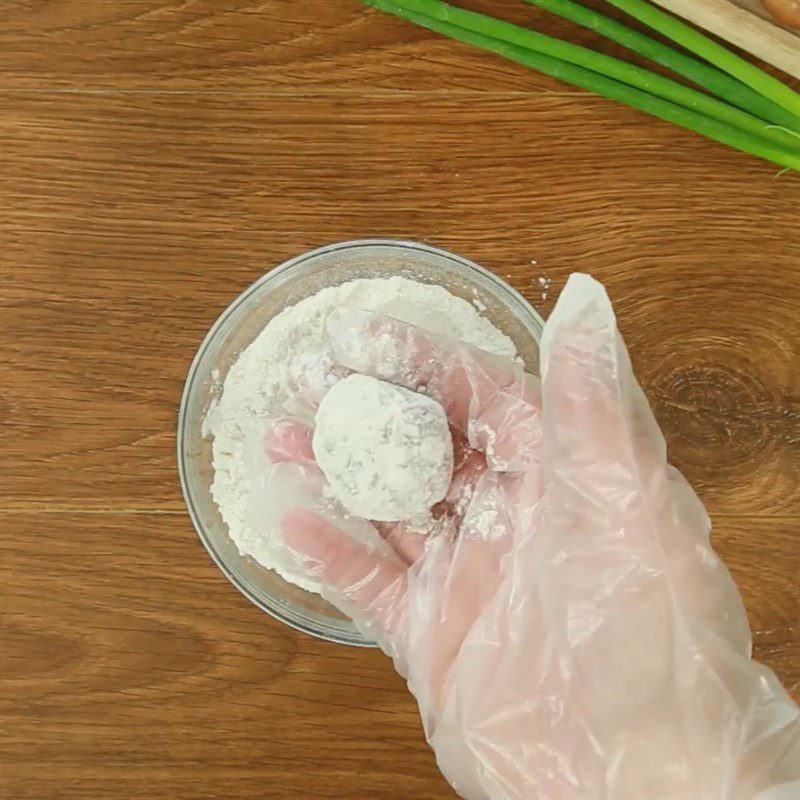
619	70
602	85
701	45
699	72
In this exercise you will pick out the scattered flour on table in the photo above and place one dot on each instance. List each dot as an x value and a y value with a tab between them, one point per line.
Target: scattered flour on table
545	284
293	353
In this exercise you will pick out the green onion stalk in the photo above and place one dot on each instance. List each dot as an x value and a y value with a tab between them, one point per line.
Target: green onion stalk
622	71
701	45
698	72
486	32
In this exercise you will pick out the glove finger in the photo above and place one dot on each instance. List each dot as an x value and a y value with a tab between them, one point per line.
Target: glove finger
454	586
405	541
509	432
287	440
309	375
409	542
368	585
462	489
395	351
602	443
488	398
623	528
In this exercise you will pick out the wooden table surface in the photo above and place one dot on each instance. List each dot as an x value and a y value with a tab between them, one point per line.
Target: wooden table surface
157	157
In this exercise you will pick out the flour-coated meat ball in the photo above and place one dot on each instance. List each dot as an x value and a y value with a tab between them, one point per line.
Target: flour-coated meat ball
386	452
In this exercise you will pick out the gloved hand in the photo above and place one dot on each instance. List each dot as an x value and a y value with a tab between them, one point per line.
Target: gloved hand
570	633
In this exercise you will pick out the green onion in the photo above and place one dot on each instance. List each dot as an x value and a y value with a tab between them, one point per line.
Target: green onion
706	48
700	73
622	71
600	84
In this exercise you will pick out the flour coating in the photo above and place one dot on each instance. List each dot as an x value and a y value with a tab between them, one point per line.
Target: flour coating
385	451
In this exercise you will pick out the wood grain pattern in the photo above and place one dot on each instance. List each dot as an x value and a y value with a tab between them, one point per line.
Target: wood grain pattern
128	660
710	325
159	156
263	46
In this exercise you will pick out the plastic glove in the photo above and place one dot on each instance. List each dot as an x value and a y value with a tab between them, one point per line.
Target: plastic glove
577	637
492	408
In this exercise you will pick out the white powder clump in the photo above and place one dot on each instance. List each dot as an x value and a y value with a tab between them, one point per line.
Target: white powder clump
289	367
386	451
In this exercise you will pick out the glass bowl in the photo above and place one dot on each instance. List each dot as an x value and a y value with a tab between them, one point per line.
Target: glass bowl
236	328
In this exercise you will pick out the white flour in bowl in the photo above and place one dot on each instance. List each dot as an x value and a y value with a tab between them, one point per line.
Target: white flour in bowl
293	350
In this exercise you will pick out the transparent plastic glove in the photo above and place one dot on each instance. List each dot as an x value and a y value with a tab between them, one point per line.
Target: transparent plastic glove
577	637
284	479
490	407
